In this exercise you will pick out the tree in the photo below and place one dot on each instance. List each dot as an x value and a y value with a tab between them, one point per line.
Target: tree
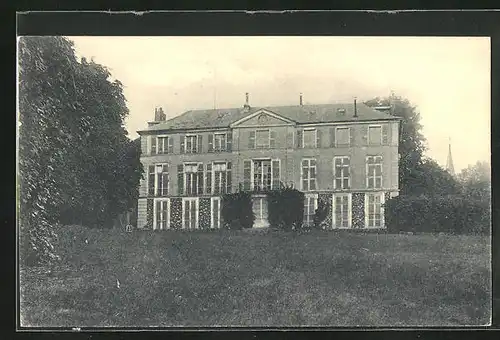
476	180
411	140
429	178
76	163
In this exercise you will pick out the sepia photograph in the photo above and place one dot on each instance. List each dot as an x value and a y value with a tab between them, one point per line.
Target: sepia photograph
253	181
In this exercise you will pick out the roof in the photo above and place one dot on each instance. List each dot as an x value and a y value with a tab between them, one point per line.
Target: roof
301	114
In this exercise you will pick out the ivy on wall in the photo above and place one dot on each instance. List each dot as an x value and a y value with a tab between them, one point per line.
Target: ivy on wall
149	213
358	210
176	213
326	201
204	213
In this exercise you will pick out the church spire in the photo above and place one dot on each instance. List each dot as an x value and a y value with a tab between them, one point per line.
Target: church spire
449	161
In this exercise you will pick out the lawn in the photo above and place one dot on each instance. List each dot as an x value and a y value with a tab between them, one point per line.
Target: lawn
247	279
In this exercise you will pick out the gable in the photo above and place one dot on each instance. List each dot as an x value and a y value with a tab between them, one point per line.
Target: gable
262	118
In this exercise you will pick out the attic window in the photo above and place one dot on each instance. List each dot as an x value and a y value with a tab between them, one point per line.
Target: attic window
341	111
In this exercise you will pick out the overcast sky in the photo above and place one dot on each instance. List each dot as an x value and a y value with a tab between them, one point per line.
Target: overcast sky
448	79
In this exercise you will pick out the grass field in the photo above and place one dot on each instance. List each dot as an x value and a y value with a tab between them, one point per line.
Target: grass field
275	279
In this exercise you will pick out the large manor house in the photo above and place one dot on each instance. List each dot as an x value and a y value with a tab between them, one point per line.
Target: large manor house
345	154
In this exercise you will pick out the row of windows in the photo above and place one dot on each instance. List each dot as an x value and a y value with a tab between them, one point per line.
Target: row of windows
266	138
341	211
258	175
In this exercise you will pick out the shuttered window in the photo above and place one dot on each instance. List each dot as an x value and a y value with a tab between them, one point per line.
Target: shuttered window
251	140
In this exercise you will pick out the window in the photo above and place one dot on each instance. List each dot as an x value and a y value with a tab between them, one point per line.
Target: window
374	211
215	208
158	180
261	174
309	138
262	139
190	207
341	210
374	172
342	136
165	145
310	206
162	214
308	174
375	135
191	143
220	142
193	178
341	172
221	173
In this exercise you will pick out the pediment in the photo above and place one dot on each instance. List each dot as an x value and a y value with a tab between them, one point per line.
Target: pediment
263	118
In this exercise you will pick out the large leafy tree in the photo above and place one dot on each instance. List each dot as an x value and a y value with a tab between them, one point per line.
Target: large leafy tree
417	174
76	163
476	180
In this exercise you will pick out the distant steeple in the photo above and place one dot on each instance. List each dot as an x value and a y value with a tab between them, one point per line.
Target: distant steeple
449	160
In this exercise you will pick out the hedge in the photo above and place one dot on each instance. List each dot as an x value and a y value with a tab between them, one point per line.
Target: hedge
236	210
285	208
448	214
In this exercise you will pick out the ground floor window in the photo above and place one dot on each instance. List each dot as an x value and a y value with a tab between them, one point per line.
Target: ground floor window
374	211
190	208
215	209
310	206
161	214
260	211
342	211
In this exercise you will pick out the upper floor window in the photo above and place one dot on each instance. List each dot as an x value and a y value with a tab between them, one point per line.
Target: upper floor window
190	178
375	135
191	143
309	138
161	145
262	139
341	172
374	172
219	141
342	136
261	174
308	174
158	180
218	178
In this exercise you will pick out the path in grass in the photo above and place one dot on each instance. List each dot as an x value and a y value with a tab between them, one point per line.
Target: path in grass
278	279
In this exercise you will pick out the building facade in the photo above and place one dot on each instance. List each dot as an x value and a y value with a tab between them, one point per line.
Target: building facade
343	154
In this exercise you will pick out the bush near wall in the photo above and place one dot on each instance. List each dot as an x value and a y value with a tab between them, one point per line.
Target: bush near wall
285	208
449	214
236	210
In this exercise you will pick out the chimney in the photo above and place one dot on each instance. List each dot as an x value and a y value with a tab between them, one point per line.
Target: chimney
246	107
355	109
300	100
160	116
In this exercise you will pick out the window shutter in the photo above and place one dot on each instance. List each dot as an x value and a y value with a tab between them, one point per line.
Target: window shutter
251	140
180	179
351	136
208	179
200	178
170	144
332	137
165	178
211	142
247	174
182	143
199	147
276	173
153	145
364	130
151	180
272	139
228	177
229	141
318	138
385	134
299	138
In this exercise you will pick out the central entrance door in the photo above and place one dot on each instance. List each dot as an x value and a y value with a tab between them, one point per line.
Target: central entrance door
260	212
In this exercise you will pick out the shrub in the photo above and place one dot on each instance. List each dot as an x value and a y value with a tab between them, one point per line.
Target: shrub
236	210
285	208
450	214
321	214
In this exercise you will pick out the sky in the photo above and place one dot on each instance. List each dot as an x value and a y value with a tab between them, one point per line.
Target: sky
447	78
